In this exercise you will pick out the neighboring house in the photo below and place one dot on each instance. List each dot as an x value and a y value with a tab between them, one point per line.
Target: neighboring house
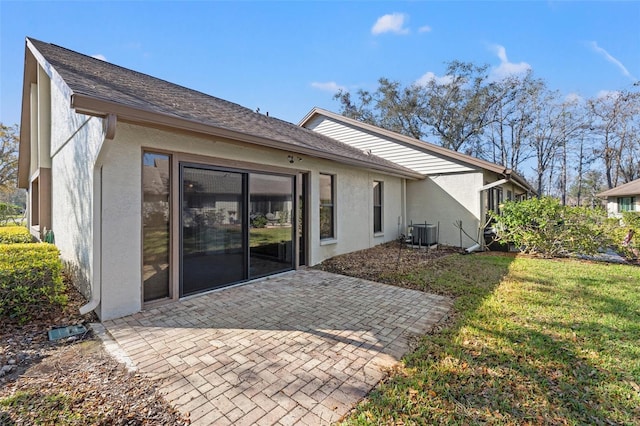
457	188
623	198
155	191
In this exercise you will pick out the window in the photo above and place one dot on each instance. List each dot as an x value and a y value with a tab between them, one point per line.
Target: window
327	206
626	204
156	209
377	206
494	199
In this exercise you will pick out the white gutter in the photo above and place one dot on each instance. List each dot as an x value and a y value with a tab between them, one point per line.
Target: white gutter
109	124
494	184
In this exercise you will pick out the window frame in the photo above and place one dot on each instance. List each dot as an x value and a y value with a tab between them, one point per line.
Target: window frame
630	206
330	206
378	209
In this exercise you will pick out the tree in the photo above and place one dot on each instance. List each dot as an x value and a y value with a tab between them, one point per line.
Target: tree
511	127
616	126
9	145
585	188
459	106
455	108
390	107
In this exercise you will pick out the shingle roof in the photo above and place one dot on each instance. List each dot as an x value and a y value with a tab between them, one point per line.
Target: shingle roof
115	85
629	188
419	144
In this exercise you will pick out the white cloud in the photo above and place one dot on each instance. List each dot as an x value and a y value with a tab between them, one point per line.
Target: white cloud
429	76
611	59
329	86
572	98
391	23
99	56
424	29
608	94
506	68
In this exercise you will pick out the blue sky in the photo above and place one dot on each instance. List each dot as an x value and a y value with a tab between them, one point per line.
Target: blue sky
287	57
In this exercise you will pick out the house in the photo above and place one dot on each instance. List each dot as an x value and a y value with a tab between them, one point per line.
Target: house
456	189
155	192
622	198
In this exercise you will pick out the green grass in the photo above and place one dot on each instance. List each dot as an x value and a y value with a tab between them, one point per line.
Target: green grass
264	236
46	409
532	341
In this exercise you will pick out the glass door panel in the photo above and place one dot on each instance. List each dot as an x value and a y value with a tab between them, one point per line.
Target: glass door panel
213	236
271	215
156	210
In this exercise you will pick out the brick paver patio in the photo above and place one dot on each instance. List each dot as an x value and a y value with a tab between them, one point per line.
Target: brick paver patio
300	348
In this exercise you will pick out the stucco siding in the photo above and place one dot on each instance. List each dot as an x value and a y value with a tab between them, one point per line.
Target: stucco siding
447	199
121	203
409	157
75	142
121	246
613	210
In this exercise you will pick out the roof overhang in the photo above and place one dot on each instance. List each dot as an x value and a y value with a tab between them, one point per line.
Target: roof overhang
89	105
24	150
423	146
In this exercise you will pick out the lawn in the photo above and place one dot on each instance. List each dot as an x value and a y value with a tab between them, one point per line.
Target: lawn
531	341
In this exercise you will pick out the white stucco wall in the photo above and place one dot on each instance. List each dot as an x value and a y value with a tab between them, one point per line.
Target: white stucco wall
613	208
75	142
121	204
447	199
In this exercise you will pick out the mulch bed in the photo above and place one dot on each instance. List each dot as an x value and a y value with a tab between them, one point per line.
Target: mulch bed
378	263
94	388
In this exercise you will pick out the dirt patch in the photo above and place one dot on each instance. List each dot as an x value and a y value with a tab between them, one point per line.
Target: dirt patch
72	381
381	263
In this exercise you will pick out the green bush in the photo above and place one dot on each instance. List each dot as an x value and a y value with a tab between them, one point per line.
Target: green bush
544	227
259	222
15	235
618	229
9	212
30	280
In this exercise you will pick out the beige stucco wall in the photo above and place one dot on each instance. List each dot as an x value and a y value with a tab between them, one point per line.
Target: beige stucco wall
612	206
447	199
75	143
121	204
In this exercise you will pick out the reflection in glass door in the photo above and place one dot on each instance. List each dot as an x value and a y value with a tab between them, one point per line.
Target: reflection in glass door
213	235
271	230
156	208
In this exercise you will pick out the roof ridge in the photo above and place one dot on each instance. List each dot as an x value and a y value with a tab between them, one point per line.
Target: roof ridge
147	99
139	73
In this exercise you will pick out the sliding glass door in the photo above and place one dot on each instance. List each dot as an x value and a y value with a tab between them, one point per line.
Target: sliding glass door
213	229
234	225
271	231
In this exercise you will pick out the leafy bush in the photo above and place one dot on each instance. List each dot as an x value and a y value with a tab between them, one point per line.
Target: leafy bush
259	222
14	235
30	280
9	212
619	229
544	227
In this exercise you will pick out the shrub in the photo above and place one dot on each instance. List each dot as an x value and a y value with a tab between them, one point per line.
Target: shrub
14	235
545	227
259	222
618	229
30	280
9	212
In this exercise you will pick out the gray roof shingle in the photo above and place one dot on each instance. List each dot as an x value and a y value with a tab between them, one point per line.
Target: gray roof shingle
627	189
104	81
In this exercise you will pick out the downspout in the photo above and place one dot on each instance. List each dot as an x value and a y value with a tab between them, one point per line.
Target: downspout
404	207
96	278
